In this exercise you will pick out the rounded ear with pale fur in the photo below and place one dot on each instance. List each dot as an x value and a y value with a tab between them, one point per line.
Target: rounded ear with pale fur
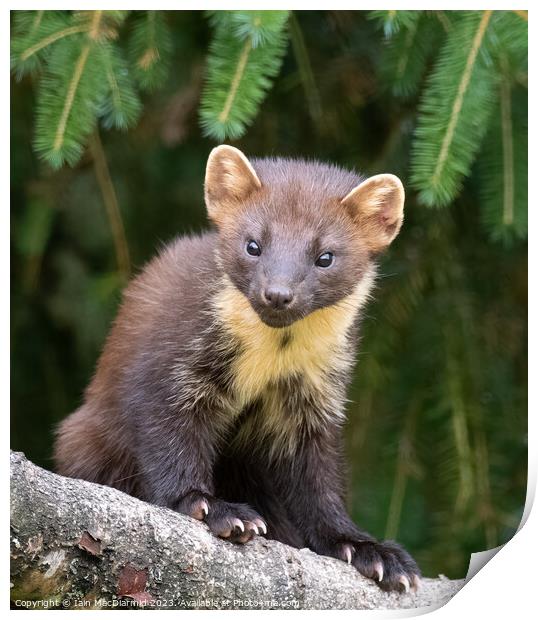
376	205
229	180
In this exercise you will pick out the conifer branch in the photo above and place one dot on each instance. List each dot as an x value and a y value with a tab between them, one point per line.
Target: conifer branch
150	48
37	21
455	110
523	14
121	107
389	22
502	167
114	88
443	20
92	29
245	53
238	76
462	89
460	431
483	478
404	58
305	68
403	469
94	26
77	74
397	498
110	201
150	54
85	78
65	32
508	153
406	54
394	21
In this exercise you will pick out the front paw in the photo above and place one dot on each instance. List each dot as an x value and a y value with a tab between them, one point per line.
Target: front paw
236	522
386	562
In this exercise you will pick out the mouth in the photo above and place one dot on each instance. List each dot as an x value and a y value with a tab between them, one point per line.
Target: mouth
277	321
277	318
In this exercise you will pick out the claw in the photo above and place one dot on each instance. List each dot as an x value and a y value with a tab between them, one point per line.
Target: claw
416	582
261	525
199	509
378	570
347	551
252	527
238	523
405	582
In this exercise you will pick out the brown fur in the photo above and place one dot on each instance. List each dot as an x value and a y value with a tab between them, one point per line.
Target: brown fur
214	399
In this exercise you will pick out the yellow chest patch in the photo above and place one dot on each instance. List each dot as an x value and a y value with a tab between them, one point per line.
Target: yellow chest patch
307	348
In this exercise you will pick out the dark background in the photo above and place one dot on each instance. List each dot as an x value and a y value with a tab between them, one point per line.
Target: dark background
436	436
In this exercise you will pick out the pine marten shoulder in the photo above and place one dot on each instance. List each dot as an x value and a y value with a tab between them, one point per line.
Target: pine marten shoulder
221	389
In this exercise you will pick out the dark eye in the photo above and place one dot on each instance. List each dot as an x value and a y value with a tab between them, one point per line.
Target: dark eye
253	248
325	259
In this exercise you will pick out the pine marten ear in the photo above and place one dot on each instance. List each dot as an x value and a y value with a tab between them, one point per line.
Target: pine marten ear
377	207
229	180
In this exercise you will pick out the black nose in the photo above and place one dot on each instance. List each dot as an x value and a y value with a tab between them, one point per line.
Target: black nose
277	297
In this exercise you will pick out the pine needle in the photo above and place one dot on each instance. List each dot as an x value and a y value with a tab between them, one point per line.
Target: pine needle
34	32
462	90
236	80
65	32
121	107
523	14
502	168
246	52
71	92
68	100
111	204
454	111
508	154
150	48
407	53
393	21
305	68
86	77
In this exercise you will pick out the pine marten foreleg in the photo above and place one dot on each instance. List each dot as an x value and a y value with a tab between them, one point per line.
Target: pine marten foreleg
176	448
311	483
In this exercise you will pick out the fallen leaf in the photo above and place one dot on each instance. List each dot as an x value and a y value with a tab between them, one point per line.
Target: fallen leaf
132	581
90	544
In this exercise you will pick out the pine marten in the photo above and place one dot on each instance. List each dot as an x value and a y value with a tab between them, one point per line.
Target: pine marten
221	388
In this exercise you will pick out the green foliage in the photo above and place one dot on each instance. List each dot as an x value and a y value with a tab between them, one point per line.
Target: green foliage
246	52
83	75
393	21
510	44
454	111
121	106
407	53
481	53
456	63
502	168
34	33
150	48
456	106
68	99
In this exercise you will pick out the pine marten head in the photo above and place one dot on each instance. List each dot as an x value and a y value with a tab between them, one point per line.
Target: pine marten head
296	236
